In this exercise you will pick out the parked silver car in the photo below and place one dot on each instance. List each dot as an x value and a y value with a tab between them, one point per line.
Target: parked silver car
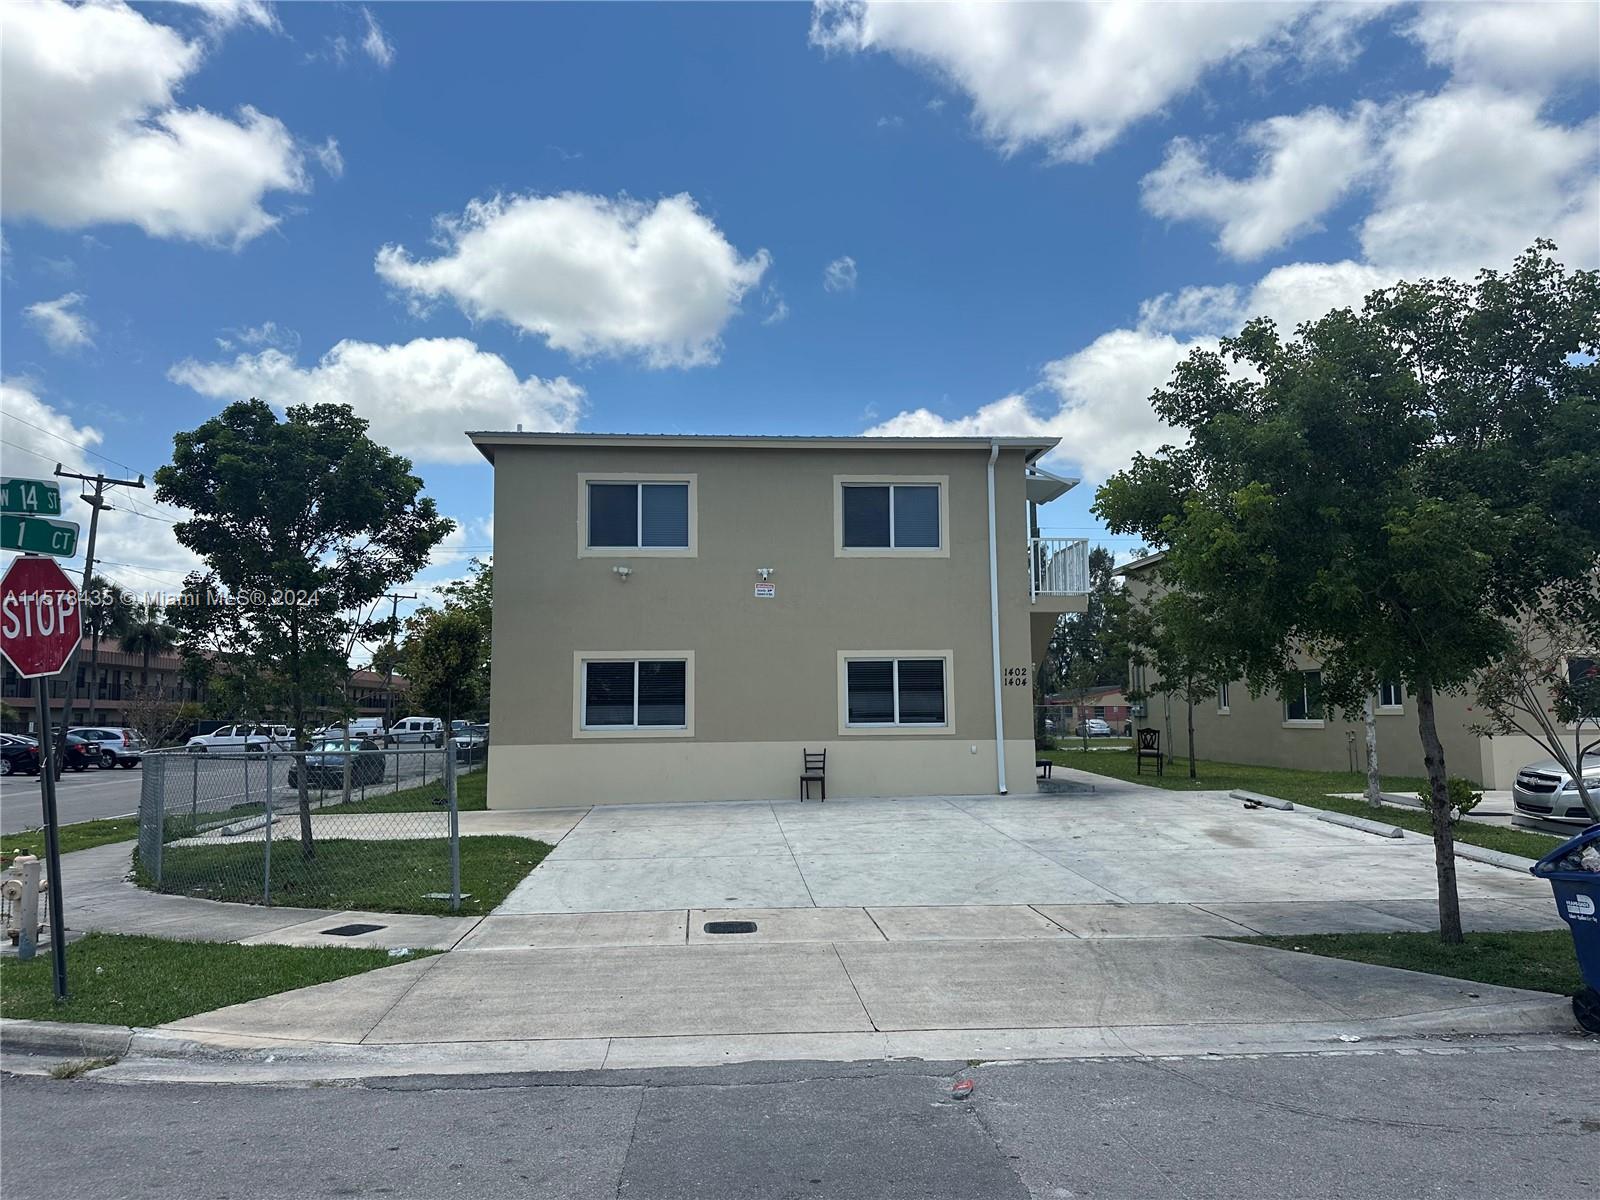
1545	790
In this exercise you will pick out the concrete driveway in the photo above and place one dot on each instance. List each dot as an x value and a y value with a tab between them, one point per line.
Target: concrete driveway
1120	846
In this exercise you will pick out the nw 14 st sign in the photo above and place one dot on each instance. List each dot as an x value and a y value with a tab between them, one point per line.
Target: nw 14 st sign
39	619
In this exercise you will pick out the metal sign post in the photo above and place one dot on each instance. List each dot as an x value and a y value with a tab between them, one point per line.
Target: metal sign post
40	626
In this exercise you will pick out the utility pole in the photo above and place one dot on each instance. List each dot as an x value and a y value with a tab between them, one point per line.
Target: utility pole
95	502
394	642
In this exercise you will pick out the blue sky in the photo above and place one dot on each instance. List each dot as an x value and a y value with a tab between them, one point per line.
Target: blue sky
727	218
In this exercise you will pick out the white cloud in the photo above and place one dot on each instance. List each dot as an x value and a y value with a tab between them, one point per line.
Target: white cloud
225	14
376	44
61	325
268	333
1520	45
777	307
1101	399
420	397
840	275
329	157
1071	77
1306	164
589	274
133	528
90	131
1473	175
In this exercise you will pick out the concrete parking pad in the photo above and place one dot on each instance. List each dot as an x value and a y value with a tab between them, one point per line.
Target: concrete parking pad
970	922
632	992
553	930
784	925
952	876
1141	920
570	884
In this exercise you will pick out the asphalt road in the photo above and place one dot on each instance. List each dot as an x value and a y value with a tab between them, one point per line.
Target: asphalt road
213	780
1465	1122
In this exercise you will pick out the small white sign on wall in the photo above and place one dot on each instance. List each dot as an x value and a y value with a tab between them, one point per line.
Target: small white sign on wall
766	591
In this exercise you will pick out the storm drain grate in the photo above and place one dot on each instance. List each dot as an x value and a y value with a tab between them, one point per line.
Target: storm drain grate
352	930
729	926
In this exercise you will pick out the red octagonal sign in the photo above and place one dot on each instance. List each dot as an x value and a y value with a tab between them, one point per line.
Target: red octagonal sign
39	620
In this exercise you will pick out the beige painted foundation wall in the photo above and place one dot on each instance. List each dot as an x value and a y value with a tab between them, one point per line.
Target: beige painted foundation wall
1254	731
688	771
766	671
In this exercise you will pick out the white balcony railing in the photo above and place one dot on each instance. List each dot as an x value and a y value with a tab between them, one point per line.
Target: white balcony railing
1058	567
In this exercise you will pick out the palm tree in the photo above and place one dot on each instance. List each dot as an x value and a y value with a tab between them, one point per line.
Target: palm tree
107	615
148	633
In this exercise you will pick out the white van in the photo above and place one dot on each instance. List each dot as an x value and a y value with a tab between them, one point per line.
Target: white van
417	731
360	727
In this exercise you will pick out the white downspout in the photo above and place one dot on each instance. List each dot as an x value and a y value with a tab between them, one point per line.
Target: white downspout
994	626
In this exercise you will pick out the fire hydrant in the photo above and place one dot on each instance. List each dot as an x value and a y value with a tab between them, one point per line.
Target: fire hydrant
21	891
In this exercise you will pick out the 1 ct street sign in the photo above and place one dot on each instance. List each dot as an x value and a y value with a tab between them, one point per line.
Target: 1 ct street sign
31	497
38	535
40	624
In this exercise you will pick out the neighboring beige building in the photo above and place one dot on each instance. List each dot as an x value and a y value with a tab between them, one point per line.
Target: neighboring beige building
1298	731
679	617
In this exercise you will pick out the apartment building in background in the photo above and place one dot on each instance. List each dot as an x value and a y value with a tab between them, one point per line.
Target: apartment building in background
678	618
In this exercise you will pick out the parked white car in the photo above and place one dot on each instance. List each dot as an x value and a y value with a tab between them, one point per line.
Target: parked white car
360	727
236	738
1093	727
1545	790
420	731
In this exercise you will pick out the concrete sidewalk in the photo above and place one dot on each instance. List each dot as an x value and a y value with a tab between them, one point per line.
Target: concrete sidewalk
584	1008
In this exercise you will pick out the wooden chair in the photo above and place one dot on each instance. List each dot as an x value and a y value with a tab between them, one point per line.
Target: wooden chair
1149	747
814	769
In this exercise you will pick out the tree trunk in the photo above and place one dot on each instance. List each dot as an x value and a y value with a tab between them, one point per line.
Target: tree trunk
1374	781
1190	702
1444	851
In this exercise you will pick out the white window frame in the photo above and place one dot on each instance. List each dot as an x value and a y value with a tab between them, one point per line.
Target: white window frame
1306	722
840	550
580	661
1223	707
692	550
896	729
1390	710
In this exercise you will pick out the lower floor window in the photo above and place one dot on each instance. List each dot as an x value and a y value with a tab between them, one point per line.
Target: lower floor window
635	694
895	691
1306	703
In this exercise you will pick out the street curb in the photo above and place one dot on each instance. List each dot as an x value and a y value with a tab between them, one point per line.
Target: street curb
1495	858
65	1037
1264	801
1361	823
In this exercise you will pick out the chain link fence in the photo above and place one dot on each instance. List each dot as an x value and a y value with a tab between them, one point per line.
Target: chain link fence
373	829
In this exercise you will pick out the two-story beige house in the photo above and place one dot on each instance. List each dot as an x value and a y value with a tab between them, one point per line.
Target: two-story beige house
679	617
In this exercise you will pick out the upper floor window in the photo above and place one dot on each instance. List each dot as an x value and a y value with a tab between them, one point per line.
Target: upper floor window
1222	698
890	516
1304	704
639	515
1390	695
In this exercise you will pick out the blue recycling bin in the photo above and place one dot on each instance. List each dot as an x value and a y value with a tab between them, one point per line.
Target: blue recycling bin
1577	888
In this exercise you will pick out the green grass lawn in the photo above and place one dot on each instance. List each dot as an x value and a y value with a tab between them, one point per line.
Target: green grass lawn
118	979
79	836
472	795
1542	961
1311	788
380	876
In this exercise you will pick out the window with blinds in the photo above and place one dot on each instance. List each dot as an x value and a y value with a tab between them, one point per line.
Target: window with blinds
895	691
890	516
635	694
638	516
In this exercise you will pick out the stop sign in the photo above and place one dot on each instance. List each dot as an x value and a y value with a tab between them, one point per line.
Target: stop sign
39	620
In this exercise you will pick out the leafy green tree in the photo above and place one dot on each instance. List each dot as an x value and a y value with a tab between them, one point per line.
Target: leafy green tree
1383	491
148	634
1178	639
444	657
303	523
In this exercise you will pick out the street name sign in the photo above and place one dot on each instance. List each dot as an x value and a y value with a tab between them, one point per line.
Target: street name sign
40	624
31	497
38	535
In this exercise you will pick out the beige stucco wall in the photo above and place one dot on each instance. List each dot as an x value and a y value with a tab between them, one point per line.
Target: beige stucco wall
766	671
